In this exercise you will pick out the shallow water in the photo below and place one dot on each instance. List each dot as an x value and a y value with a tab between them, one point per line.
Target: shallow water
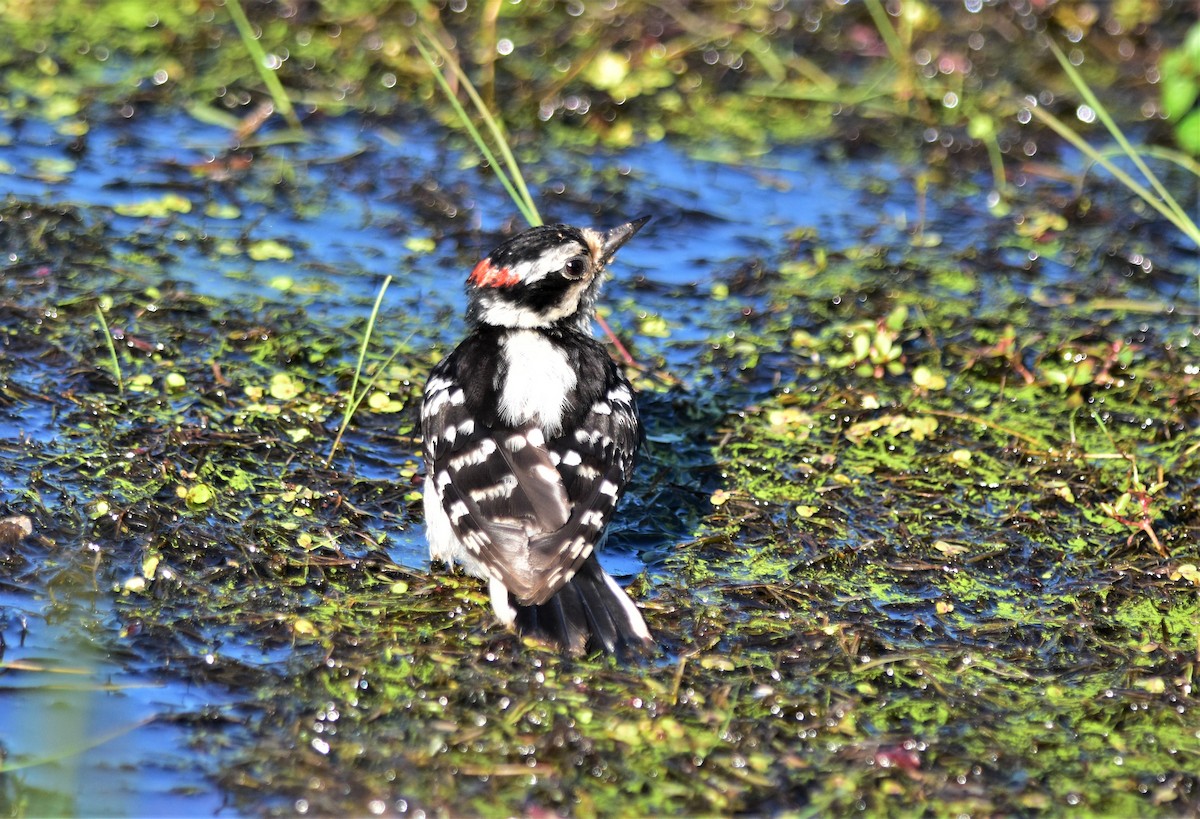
357	211
131	760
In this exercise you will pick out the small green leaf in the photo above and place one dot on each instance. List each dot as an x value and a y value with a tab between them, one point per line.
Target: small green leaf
927	379
267	249
420	244
284	387
155	208
222	211
199	496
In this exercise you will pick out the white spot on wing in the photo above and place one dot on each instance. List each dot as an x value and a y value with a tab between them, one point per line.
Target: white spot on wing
474	541
572	458
602	408
474	456
435	402
503	489
547	473
593	518
609	488
577	547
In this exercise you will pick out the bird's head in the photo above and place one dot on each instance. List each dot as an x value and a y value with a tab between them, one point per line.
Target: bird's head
548	275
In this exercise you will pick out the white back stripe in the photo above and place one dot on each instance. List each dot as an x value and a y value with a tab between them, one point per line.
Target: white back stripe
540	380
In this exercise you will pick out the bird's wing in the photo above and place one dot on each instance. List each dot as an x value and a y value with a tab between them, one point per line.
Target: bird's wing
596	462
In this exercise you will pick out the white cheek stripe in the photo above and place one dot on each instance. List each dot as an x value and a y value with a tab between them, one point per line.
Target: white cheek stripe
551	261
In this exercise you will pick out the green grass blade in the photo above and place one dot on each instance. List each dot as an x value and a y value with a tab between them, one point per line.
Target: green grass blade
891	39
278	94
517	190
355	398
1187	226
480	142
356	402
1102	114
498	135
112	350
1178	158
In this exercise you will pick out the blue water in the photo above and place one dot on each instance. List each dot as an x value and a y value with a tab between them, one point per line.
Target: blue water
61	692
357	210
346	213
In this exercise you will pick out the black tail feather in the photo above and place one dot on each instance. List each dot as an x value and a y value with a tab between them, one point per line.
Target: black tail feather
590	613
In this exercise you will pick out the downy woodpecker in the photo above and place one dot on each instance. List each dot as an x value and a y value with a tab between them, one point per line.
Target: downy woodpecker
530	433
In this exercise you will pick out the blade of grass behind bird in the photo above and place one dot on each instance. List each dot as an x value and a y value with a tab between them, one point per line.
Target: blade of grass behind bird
274	86
509	173
1102	114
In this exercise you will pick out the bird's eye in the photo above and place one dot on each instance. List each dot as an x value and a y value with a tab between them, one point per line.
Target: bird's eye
575	268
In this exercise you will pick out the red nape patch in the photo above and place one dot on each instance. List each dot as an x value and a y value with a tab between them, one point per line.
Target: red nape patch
486	274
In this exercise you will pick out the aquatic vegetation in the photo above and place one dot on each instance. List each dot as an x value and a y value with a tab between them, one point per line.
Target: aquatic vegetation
917	516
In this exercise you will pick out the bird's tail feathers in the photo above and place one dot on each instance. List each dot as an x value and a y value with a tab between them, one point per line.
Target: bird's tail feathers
590	613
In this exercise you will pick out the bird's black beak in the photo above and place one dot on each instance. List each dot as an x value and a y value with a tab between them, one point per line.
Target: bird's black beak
619	236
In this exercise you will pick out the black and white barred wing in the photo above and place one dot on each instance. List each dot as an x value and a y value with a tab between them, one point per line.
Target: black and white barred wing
596	462
497	488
